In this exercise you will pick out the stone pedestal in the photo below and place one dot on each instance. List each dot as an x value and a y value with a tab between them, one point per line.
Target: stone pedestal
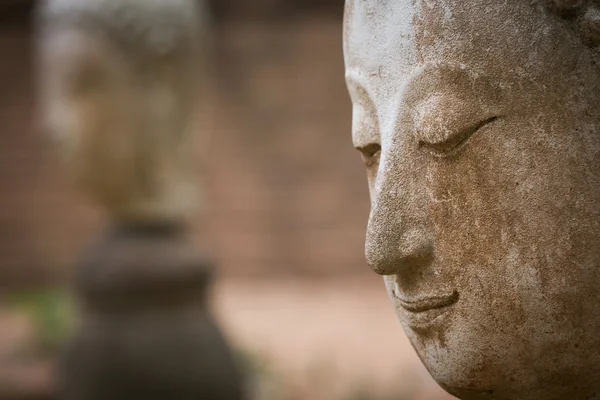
147	331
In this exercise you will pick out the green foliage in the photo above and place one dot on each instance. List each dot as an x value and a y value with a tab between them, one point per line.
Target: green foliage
262	381
52	315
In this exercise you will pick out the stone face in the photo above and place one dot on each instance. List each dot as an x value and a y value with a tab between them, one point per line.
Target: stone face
118	88
480	129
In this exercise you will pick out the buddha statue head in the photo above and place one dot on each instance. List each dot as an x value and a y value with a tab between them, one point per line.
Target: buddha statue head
118	90
479	125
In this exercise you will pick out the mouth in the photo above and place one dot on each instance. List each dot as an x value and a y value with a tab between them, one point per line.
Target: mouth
421	312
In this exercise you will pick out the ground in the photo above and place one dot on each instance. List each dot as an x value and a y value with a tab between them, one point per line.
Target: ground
334	338
319	339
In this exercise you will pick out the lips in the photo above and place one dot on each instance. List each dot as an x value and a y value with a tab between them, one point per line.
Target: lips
428	303
423	311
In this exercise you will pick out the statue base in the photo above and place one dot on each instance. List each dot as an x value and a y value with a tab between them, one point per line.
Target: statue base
146	331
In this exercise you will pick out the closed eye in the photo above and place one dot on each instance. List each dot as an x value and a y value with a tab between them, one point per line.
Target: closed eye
454	142
370	153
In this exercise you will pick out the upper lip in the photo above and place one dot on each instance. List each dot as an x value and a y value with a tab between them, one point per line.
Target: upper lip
424	304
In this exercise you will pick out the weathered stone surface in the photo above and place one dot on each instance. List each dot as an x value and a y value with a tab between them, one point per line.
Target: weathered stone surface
480	129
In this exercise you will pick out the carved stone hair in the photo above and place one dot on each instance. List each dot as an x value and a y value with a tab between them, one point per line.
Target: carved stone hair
585	14
150	28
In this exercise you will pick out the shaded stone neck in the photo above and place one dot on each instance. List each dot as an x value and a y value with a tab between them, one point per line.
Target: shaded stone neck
176	203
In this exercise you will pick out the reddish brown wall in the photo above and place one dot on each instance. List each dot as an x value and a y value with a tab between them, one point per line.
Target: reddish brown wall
274	10
288	185
41	221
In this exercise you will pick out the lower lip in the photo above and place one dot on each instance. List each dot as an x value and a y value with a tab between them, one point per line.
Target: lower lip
424	313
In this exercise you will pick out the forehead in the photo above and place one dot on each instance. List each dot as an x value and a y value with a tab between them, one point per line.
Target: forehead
379	53
72	46
70	53
377	35
385	41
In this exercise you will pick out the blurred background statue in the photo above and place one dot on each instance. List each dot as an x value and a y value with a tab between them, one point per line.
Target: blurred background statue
119	81
479	125
118	89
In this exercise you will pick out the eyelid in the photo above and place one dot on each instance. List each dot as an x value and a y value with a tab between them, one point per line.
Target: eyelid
456	140
447	103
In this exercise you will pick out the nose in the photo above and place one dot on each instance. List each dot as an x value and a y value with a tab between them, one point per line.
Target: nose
391	252
397	242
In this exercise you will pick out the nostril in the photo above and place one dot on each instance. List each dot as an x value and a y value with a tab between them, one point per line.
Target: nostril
398	264
406	255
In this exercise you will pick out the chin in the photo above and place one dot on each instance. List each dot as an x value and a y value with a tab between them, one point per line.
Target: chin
465	376
508	364
463	356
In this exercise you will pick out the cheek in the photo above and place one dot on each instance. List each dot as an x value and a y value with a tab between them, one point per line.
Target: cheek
507	210
85	126
484	218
